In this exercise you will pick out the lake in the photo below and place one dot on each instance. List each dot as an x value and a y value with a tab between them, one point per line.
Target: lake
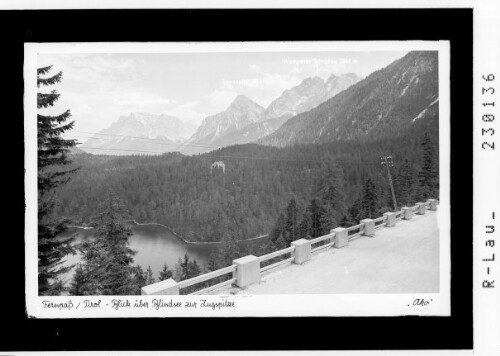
155	246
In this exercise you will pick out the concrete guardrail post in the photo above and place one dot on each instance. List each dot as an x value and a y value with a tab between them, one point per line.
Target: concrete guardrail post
302	252
247	270
340	239
407	213
432	204
421	209
369	227
166	287
390	219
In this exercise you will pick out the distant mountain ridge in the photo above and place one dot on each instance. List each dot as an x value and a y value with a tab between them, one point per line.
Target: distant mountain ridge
242	122
140	132
242	112
387	102
308	94
233	127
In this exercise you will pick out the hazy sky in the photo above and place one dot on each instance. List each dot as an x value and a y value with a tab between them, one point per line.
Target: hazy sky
98	88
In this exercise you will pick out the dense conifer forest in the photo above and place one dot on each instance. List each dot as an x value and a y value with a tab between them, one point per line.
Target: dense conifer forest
199	203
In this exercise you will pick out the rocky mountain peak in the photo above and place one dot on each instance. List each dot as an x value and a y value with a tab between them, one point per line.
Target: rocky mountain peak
245	120
336	83
403	95
242	103
308	94
312	81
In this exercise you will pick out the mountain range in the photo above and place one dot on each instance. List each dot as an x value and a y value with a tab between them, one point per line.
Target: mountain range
389	101
233	127
242	122
140	132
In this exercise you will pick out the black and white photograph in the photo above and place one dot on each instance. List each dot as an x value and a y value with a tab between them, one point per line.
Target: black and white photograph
250	177
235	169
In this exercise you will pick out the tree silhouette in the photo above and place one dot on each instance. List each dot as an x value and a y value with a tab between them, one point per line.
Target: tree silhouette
149	276
405	183
165	273
292	222
429	174
112	231
52	158
369	202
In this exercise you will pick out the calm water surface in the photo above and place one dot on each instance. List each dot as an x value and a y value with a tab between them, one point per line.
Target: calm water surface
155	246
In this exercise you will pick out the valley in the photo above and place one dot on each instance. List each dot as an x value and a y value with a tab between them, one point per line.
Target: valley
252	178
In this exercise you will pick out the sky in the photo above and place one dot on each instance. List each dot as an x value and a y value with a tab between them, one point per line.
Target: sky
99	88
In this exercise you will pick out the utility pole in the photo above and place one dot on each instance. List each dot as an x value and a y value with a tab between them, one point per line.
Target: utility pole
387	162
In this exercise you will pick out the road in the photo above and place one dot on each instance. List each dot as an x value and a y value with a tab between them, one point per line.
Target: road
402	259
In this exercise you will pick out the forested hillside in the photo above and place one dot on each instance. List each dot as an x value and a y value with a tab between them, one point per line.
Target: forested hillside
258	183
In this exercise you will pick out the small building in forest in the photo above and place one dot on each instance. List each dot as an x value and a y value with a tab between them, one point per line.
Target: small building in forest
218	165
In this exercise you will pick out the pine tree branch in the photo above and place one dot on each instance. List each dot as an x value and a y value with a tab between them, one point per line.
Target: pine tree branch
49	81
43	70
45	100
45	119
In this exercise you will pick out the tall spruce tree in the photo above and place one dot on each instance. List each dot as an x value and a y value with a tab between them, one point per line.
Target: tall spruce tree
330	189
279	244
194	269
88	274
182	268
355	212
229	248
279	229
213	263
149	276
292	222
138	279
79	281
313	219
52	159
369	202
344	222
165	273
405	183
186	269
112	231
327	219
429	173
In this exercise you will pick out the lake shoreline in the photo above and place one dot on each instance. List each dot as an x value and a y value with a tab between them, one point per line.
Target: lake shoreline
174	234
